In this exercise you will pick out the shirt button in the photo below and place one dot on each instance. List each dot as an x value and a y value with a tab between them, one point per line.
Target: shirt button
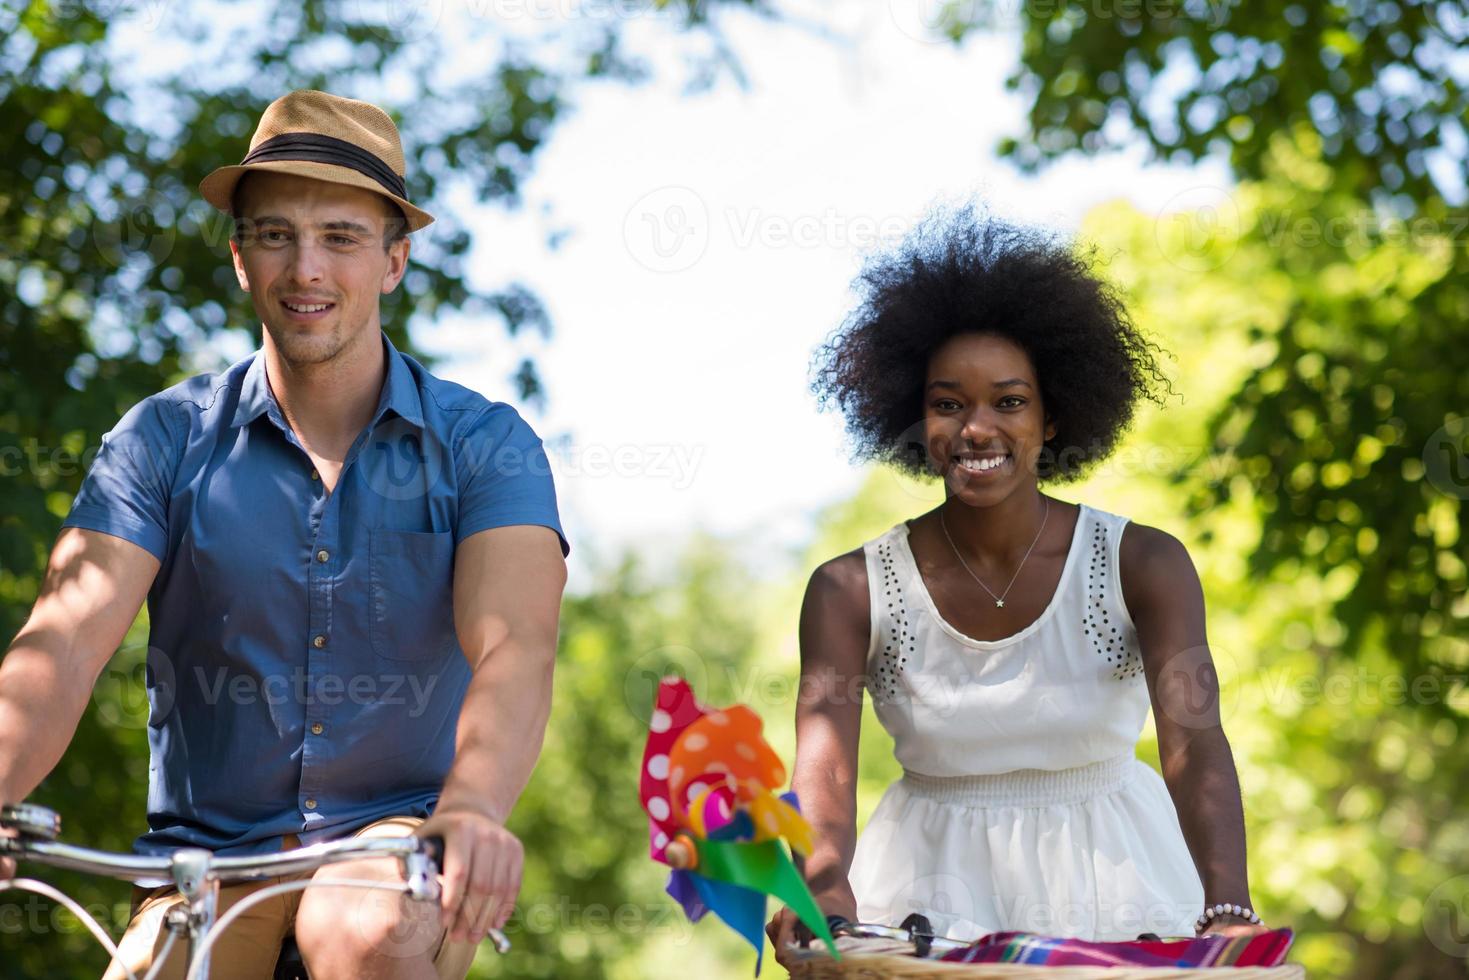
317	728
311	804
323	555
318	641
315	475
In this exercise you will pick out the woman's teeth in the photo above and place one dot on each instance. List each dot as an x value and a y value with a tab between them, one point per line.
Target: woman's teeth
982	465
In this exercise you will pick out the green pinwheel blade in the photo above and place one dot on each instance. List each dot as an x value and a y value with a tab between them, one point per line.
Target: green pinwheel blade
765	867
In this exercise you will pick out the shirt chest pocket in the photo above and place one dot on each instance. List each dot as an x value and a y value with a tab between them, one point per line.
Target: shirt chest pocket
411	589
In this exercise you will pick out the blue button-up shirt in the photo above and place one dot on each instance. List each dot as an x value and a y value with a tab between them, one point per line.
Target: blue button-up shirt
304	675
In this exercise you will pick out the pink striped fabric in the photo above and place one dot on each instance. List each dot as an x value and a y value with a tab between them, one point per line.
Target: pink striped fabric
1264	949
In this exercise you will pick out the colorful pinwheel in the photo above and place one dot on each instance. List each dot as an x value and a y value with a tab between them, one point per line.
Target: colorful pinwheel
707	783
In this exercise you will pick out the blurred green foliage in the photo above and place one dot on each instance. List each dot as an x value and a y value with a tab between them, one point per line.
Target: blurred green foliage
1381	82
592	904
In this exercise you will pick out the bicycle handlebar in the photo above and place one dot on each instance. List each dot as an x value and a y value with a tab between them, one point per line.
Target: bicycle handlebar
229	870
32	831
35	829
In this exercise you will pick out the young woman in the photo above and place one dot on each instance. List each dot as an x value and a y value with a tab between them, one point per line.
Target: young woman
1012	642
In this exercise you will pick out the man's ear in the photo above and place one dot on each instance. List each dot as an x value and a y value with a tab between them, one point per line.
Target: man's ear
239	261
397	264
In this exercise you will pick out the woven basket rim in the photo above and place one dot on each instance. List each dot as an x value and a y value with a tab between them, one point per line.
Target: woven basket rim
817	963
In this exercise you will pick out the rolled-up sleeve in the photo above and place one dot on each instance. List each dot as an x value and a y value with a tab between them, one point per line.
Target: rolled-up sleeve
504	476
126	489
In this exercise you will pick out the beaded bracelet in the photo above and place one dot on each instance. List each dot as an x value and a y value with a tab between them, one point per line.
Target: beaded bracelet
1209	913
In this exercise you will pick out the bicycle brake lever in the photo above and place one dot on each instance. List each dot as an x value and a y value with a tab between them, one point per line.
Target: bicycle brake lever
421	869
921	931
433	849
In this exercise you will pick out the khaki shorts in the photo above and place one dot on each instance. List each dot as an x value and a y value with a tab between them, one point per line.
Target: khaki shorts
248	950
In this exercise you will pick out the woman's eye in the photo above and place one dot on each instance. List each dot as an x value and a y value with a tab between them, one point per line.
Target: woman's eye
946	404
1015	400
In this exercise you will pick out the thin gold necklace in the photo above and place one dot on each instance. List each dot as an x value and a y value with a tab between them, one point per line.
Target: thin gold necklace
999	599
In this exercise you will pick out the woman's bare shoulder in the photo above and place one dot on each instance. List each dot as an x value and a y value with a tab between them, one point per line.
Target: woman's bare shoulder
841	580
836	602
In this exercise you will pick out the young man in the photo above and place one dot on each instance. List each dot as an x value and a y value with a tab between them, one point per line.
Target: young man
353	572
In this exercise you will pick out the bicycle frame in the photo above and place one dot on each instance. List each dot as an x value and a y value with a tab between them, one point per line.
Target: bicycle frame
198	873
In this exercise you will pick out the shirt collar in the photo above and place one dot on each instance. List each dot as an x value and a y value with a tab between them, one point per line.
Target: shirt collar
400	392
400	389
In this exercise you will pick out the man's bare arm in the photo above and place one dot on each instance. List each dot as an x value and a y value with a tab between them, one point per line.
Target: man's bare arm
507	604
95	584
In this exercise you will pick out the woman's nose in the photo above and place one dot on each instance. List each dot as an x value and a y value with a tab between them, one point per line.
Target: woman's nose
979	424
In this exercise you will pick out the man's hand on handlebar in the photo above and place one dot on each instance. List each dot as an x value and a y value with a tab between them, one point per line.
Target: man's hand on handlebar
481	867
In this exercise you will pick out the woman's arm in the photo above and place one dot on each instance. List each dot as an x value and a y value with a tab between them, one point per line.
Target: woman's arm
834	634
1166	602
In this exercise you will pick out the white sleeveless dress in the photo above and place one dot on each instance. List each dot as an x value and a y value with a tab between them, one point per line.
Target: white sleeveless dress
1022	805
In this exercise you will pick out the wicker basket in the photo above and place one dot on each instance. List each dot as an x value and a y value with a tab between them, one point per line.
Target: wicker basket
817	965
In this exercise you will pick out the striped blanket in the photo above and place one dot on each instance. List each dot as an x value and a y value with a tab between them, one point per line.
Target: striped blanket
1265	949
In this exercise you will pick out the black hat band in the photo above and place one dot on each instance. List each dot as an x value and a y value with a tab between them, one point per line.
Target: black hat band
317	148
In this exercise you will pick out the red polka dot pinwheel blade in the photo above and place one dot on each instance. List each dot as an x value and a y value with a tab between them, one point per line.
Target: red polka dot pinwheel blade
676	709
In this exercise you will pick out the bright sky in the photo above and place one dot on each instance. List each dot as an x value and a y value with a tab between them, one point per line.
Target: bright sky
714	240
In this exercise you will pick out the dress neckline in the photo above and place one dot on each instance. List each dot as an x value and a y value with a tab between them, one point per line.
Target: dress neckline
1004	641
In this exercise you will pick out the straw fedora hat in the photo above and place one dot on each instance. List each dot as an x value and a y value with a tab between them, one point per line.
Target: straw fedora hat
325	137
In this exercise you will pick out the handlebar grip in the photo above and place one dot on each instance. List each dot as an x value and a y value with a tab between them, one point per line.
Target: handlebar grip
31	820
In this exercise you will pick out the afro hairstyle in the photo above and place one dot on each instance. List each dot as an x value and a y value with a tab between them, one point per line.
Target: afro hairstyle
964	271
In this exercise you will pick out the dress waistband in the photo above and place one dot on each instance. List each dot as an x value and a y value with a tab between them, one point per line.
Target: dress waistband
1025	787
